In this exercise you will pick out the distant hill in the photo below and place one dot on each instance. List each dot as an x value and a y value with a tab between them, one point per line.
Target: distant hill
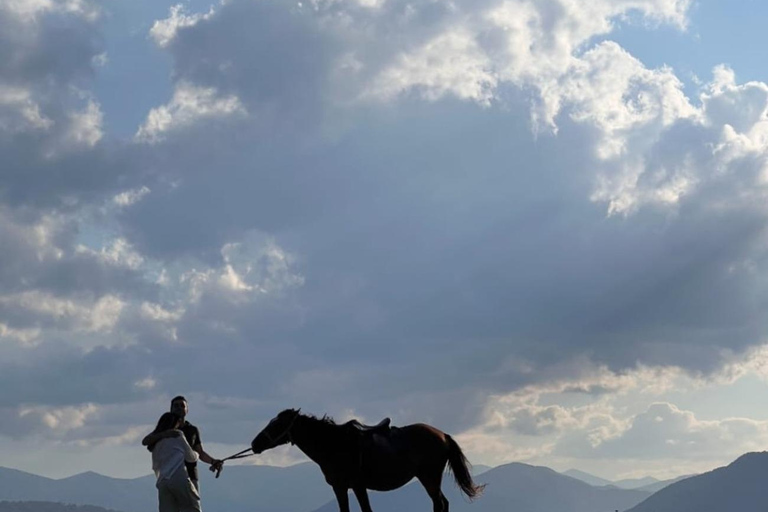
299	488
587	477
46	506
635	483
738	487
648	484
511	487
479	469
657	486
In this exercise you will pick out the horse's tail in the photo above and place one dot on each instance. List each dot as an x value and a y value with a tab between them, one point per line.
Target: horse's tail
460	468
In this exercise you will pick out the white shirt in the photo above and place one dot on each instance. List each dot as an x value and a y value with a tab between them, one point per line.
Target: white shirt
170	454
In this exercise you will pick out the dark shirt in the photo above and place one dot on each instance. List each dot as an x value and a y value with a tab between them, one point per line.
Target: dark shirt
193	438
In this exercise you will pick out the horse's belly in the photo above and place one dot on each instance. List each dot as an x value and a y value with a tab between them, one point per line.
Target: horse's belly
387	471
384	483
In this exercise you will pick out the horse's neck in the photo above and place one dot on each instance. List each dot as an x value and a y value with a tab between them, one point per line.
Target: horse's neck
315	439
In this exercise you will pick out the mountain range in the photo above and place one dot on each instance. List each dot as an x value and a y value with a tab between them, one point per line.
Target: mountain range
648	483
517	487
45	506
239	489
302	488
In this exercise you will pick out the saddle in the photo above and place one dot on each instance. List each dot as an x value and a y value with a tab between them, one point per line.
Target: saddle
381	427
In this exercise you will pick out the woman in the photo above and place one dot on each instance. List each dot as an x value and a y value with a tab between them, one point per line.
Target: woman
174	488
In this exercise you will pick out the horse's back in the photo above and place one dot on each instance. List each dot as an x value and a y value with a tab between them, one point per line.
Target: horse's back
414	442
392	459
422	432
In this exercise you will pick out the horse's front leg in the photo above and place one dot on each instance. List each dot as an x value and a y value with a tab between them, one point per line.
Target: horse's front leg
362	498
342	497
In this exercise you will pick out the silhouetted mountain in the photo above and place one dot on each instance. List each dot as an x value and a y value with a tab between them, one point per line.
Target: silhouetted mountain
511	487
635	483
656	487
479	469
297	488
738	487
46	506
648	483
587	477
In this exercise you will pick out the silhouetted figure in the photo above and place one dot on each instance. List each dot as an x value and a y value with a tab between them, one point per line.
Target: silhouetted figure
175	490
180	407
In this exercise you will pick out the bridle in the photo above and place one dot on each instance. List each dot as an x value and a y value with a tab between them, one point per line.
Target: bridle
287	432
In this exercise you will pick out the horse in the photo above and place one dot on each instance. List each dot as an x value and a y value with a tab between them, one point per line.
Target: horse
380	458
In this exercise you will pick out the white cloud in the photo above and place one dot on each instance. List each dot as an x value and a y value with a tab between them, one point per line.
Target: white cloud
664	430
147	383
190	103
85	126
484	45
251	268
120	253
19	112
452	63
58	420
86	315
28	10
157	313
164	31
615	92
130	197
100	60
23	336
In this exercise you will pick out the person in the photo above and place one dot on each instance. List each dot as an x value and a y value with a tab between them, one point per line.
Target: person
175	491
180	407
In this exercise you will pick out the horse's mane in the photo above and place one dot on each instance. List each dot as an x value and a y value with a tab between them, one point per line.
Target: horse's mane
326	420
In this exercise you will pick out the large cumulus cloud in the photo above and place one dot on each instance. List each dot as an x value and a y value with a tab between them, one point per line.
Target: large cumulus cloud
378	208
434	229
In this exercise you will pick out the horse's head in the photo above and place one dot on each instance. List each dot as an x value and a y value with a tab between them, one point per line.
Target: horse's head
277	432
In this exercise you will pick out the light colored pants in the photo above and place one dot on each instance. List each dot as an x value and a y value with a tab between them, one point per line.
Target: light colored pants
177	494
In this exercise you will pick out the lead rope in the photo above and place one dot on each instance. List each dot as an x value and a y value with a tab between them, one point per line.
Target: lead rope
239	455
243	454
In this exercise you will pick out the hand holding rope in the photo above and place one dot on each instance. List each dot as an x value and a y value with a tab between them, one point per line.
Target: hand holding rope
220	466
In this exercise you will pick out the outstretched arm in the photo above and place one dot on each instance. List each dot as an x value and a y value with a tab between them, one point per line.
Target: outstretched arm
205	457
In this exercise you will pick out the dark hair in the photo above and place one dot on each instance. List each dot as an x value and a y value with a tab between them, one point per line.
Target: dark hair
166	422
177	398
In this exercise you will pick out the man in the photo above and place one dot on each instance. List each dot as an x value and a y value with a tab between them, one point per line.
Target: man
192	434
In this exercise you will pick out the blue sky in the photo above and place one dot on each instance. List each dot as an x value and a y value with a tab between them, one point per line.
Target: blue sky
718	33
539	226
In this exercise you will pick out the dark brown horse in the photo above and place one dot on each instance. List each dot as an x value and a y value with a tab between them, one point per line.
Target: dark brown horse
381	458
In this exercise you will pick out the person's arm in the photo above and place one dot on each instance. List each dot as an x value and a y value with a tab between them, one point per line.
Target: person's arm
204	456
190	455
153	438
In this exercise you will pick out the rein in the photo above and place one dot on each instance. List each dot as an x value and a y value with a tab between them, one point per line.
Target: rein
239	455
244	453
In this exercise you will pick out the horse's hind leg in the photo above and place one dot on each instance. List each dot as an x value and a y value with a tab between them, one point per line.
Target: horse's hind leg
431	484
362	498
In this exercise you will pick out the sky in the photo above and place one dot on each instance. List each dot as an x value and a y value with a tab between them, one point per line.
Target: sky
539	225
